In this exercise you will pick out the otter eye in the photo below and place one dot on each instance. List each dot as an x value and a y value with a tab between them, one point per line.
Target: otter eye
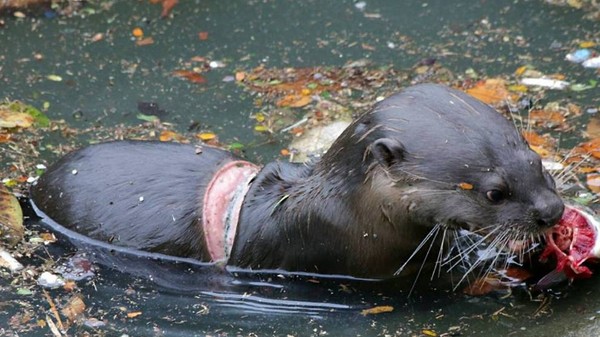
495	196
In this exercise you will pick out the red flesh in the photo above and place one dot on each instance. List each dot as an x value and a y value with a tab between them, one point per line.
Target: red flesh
571	242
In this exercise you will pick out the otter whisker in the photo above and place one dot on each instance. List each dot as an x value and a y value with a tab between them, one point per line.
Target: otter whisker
438	226
471	248
440	256
431	233
479	260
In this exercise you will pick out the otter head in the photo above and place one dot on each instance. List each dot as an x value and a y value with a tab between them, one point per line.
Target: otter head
443	157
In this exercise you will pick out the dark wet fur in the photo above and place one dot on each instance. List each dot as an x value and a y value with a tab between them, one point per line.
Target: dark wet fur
362	210
102	200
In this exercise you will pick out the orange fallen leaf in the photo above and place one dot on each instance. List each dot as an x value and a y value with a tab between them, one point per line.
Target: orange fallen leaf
145	41
542	152
592	147
240	75
69	285
48	237
546	116
492	91
74	307
377	310
203	36
534	139
294	101
465	186
167	7
284	152
191	76
593	127
133	314
593	182
137	32
168	135
4	137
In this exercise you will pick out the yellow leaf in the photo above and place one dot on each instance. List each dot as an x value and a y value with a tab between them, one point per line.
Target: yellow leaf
377	310
206	136
54	78
520	70
518	88
259	117
587	44
10	119
428	332
261	128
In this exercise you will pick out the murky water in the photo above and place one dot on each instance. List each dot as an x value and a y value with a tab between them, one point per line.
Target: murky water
102	83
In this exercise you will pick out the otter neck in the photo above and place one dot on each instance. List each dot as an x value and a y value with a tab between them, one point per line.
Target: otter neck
321	219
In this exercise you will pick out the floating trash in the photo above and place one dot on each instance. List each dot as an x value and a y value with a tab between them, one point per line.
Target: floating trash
545	83
579	55
594	62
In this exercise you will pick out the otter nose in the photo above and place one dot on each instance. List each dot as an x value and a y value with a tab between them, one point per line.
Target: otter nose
549	210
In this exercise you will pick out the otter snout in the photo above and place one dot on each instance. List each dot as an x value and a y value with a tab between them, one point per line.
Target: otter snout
548	210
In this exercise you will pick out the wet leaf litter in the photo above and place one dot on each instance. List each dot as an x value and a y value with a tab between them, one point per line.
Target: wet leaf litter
301	99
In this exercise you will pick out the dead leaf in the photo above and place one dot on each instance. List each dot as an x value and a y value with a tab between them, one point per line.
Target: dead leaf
592	147
593	128
144	42
167	7
11	119
239	76
294	101
517	273
593	182
74	308
491	91
133	314
547	118
191	76
377	310
11	218
203	36
206	136
534	138
168	136
484	286
429	332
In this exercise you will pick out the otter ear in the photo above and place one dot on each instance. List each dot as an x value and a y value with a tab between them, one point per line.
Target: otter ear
388	151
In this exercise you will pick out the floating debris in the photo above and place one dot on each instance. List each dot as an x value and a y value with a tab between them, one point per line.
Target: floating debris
49	280
9	262
594	62
579	55
545	83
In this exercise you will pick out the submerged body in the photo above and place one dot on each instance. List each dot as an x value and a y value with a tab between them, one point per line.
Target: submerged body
427	156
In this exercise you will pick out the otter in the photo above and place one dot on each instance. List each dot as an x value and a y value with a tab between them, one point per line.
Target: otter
427	156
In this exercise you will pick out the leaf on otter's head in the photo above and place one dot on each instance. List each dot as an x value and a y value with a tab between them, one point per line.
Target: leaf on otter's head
465	186
11	218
